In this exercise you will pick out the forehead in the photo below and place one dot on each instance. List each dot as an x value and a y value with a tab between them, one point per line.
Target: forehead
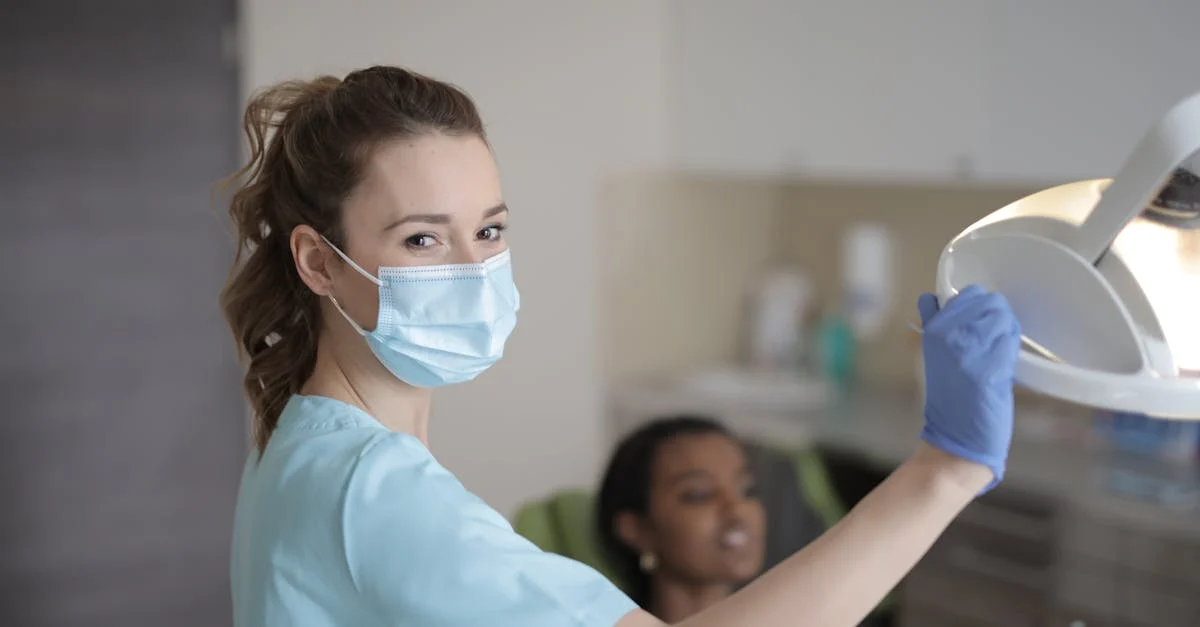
712	452
429	174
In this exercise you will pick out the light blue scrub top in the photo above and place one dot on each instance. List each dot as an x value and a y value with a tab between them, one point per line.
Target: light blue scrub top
343	522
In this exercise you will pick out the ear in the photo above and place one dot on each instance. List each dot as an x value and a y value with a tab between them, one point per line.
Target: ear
631	529
313	258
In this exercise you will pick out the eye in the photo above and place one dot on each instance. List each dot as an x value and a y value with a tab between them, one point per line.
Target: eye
421	240
694	496
751	491
491	233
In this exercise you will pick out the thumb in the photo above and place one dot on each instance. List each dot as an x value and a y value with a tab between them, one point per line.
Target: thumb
927	305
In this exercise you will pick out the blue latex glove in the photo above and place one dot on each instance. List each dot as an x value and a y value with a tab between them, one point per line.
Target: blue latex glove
970	350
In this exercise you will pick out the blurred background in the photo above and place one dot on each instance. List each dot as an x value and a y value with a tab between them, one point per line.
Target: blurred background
719	207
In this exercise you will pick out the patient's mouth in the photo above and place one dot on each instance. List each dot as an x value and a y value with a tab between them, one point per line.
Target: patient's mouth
735	538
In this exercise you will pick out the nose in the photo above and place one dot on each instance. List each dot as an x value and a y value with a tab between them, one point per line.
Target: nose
466	255
734	506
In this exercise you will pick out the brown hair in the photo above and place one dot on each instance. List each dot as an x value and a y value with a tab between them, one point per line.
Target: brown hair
309	144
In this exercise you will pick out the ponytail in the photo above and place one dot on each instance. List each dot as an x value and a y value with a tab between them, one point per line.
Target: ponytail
274	317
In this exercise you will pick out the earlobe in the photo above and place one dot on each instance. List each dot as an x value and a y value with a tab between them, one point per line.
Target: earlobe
312	259
628	527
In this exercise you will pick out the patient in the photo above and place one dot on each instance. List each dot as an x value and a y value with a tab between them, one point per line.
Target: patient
679	516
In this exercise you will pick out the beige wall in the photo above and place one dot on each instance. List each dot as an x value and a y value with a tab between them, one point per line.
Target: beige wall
680	252
690	247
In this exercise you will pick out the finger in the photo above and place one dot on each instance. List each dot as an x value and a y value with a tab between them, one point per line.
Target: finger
927	306
993	318
962	310
969	293
1002	329
1005	350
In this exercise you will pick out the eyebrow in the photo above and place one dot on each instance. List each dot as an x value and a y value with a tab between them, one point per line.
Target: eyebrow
697	473
688	475
441	218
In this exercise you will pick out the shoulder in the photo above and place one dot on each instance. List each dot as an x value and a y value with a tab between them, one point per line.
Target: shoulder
420	545
395	475
398	496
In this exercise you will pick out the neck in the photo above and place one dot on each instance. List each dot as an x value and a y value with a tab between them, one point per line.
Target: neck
673	601
347	371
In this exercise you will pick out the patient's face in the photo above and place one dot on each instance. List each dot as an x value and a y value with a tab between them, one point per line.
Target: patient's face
705	521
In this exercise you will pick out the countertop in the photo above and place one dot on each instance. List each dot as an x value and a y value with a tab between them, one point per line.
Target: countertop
882	428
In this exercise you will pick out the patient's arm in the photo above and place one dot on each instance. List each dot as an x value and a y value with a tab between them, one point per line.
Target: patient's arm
840	577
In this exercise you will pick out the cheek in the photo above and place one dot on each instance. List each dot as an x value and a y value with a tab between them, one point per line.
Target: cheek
756	518
748	564
687	535
360	298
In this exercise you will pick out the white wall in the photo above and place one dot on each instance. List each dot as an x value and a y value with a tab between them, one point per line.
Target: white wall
1011	91
571	92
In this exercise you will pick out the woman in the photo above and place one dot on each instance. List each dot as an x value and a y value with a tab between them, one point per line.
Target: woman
372	267
679	516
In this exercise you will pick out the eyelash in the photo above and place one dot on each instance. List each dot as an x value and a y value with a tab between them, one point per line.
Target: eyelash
414	241
499	228
749	492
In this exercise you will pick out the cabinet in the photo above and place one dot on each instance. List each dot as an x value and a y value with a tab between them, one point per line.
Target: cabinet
1059	617
929	90
1126	576
1070	86
1014	560
992	567
826	89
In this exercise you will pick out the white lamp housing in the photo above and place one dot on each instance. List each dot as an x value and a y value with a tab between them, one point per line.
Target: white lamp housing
1104	276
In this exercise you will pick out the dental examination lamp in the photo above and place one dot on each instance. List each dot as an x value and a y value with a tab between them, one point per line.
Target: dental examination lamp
1104	277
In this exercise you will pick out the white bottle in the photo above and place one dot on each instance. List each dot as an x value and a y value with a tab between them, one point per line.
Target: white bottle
776	335
867	278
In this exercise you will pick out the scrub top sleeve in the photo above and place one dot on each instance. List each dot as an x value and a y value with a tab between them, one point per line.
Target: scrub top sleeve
422	550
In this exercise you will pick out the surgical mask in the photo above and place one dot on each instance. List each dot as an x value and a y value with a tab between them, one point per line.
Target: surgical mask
440	325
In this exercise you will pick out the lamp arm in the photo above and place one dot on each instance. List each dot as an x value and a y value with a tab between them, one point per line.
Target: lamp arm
1173	140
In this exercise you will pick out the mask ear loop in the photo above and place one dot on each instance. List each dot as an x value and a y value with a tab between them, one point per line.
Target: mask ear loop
345	315
359	269
367	275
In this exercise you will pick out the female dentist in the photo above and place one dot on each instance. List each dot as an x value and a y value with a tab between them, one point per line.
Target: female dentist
372	267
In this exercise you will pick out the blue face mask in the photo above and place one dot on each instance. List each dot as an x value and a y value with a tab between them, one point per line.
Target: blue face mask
440	325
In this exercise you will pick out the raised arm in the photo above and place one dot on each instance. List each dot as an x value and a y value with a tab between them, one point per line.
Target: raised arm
970	351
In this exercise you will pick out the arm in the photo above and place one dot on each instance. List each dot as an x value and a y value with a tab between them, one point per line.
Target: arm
970	350
842	575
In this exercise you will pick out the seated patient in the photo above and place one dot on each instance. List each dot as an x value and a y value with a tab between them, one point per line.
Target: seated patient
679	516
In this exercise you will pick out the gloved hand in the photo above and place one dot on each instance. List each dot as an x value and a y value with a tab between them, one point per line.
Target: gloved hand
970	349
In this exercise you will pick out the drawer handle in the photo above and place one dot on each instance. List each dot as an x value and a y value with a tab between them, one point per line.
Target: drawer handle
973	561
1008	523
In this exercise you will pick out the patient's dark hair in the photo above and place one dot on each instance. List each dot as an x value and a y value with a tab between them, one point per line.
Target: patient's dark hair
626	488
